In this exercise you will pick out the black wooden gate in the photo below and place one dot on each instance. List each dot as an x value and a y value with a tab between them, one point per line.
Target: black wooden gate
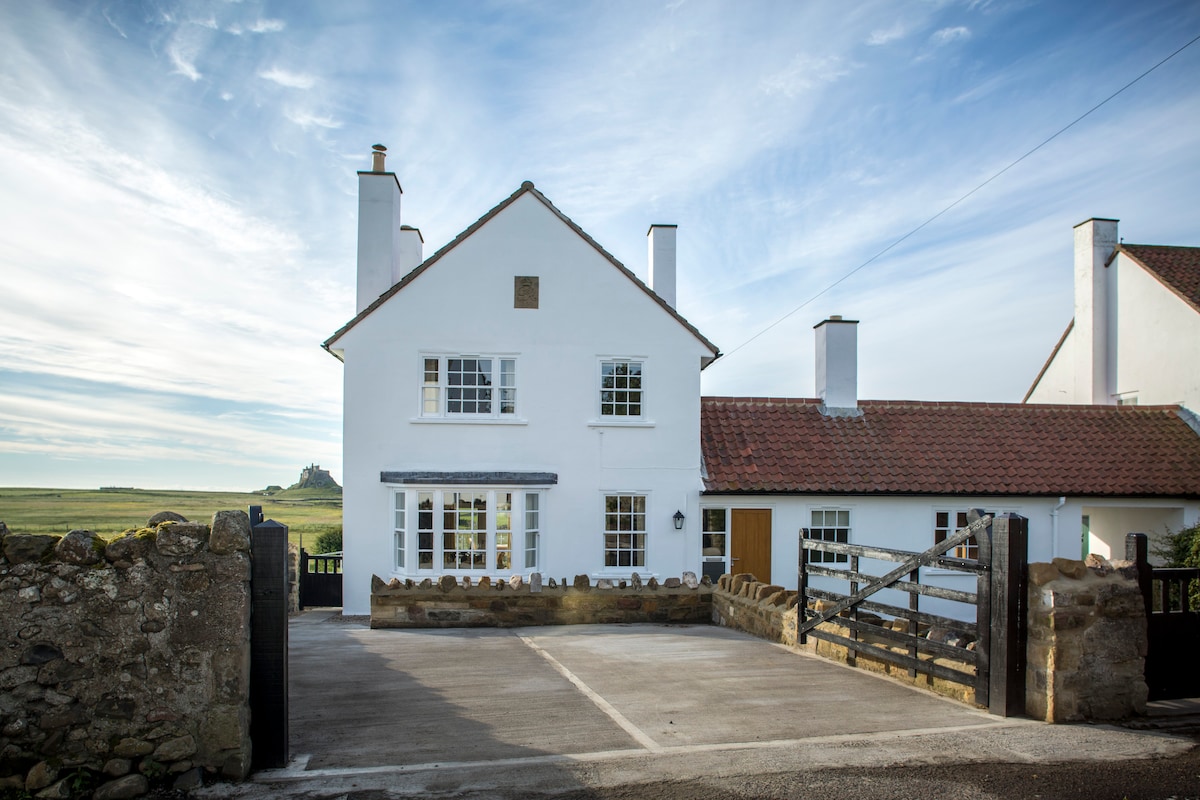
1172	596
998	660
320	580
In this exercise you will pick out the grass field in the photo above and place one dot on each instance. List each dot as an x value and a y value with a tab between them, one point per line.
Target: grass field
306	512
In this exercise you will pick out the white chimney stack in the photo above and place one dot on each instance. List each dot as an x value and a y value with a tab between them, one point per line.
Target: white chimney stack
387	250
837	366
661	240
1095	345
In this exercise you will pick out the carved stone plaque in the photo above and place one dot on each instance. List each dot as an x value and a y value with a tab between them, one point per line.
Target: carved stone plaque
525	291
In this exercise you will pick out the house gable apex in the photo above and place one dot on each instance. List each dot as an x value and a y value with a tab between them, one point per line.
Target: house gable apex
1176	268
527	187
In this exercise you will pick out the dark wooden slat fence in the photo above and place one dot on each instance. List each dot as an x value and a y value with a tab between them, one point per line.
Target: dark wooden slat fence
1172	597
997	662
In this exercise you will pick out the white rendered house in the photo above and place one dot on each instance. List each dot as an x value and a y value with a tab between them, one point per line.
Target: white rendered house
517	402
1135	336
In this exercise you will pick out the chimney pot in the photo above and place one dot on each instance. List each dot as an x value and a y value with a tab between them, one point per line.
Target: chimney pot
378	154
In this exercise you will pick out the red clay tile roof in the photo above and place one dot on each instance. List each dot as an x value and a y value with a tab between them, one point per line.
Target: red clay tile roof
1177	267
786	446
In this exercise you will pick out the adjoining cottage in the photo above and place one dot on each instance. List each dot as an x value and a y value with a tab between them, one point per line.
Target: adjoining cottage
521	402
903	474
1135	335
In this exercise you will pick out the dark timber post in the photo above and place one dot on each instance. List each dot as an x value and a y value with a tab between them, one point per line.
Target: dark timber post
1009	576
802	590
983	611
1137	550
268	642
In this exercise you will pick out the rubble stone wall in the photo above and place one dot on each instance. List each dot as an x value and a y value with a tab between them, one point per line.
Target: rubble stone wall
1087	641
126	662
451	603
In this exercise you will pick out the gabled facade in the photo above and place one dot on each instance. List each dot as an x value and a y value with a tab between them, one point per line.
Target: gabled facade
518	402
1135	335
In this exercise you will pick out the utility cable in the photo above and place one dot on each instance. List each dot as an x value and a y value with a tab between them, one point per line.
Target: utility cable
882	252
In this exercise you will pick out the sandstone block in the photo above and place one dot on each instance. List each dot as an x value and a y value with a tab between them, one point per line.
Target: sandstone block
582	583
1071	568
447	583
689	580
165	516
763	591
129	547
485	582
652	584
604	583
132	748
1042	573
535	583
672	583
635	581
116	767
516	582
230	532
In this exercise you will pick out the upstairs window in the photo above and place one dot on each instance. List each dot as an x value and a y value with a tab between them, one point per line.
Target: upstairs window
621	388
468	386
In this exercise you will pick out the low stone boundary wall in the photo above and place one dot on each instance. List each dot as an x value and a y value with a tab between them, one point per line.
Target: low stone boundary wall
769	612
1087	641
127	662
449	603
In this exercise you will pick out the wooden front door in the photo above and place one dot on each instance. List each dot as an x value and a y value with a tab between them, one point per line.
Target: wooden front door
750	550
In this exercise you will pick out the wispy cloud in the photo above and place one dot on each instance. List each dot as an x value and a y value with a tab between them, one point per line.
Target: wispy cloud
258	26
183	55
948	35
884	35
284	77
805	72
309	119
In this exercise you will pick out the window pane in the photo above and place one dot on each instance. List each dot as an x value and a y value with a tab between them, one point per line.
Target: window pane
713	519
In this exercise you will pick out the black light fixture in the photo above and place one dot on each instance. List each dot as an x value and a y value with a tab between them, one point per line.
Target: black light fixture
678	519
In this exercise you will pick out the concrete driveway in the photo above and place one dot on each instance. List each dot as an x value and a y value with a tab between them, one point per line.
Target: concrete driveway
437	711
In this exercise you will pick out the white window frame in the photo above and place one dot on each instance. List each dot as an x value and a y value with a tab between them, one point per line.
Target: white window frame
602	362
964	549
496	524
608	517
532	544
826	530
435	387
399	530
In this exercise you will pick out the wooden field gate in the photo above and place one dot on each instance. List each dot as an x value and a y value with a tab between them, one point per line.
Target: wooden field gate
320	580
997	663
1172	598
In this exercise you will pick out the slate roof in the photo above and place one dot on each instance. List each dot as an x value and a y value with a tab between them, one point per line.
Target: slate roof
1177	267
526	188
786	446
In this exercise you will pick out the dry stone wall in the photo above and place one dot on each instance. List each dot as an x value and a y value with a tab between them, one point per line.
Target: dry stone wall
126	663
451	603
1087	641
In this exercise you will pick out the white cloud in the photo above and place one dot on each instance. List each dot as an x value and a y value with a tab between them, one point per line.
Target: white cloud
805	72
948	35
183	58
885	35
308	119
258	26
292	80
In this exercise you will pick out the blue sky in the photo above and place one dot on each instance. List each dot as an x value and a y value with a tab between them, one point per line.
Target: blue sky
178	192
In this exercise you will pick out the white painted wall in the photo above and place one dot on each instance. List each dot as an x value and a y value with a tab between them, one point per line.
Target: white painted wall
1151	340
1157	341
588	309
907	523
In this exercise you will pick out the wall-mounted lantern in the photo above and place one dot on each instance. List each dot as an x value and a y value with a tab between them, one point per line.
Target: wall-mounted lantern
678	520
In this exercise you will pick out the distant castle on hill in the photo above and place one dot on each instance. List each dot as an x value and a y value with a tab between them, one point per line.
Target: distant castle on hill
313	477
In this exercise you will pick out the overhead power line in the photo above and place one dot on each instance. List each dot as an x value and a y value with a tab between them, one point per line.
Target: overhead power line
899	241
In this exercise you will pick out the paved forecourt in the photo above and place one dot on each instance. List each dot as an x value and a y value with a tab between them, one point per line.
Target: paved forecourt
362	698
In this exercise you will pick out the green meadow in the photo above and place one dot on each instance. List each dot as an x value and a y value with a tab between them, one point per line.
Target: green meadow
306	512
